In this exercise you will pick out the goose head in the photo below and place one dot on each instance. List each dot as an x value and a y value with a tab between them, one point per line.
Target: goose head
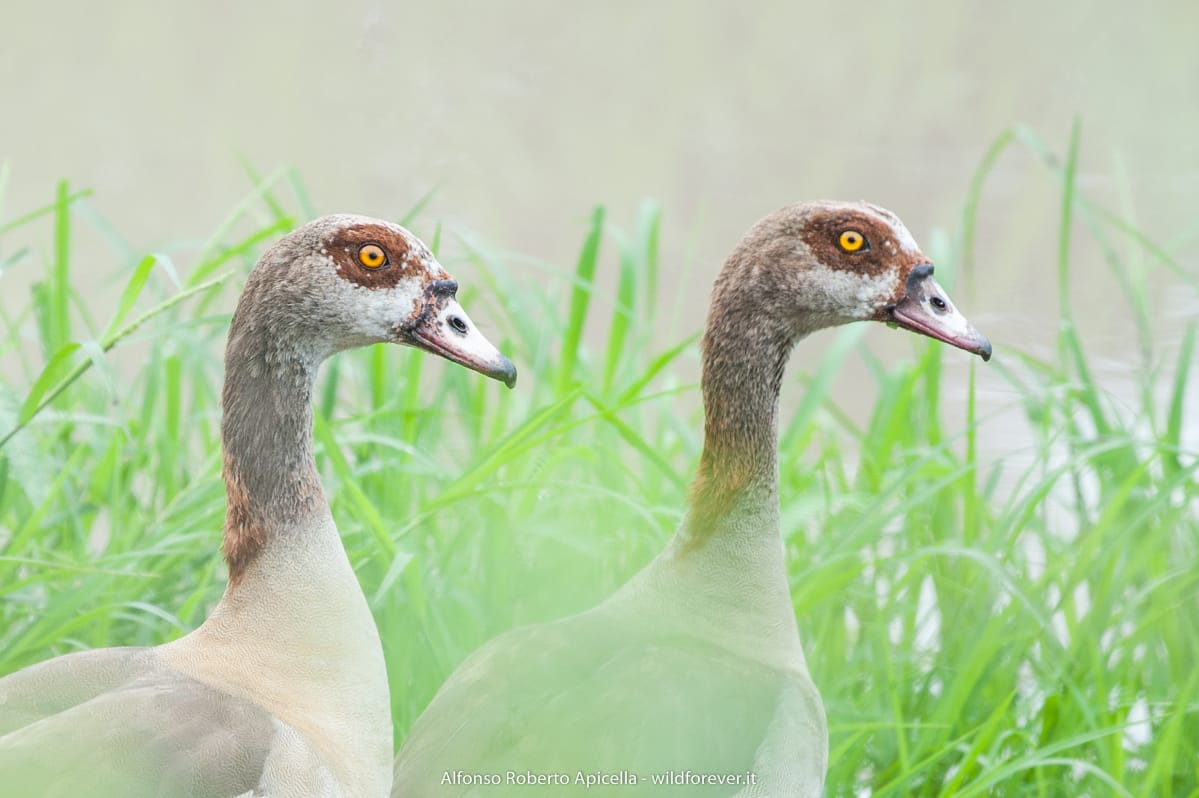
344	281
819	264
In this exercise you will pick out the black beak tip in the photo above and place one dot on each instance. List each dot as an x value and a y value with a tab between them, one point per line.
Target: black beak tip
984	351
507	374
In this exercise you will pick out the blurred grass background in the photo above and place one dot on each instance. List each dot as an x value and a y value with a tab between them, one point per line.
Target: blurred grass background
1015	620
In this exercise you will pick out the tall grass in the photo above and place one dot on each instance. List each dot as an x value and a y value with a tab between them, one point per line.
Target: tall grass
976	626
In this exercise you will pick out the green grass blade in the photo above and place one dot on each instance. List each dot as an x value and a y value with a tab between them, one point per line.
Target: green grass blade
580	298
59	283
618	330
1174	417
129	296
44	210
974	197
51	375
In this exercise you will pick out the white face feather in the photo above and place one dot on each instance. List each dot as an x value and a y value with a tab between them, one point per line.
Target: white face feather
377	311
847	296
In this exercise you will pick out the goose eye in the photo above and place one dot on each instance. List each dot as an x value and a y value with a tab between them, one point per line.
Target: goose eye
852	241
372	256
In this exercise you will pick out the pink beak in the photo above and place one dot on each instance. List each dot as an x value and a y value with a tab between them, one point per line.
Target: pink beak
926	309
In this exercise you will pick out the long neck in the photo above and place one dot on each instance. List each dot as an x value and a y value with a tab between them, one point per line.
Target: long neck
742	374
723	576
270	476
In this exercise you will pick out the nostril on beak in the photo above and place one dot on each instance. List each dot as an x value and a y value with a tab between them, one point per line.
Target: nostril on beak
458	325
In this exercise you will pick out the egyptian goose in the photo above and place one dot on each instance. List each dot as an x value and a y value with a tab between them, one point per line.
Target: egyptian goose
690	679
282	691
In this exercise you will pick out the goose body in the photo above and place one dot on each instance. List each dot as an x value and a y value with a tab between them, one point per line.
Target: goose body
690	680
282	691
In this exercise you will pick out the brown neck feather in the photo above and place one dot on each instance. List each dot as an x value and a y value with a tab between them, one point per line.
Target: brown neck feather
745	350
271	481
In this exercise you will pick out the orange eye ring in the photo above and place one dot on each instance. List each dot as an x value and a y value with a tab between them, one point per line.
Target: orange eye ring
372	256
852	241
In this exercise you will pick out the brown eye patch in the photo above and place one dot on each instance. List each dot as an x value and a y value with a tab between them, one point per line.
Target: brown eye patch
360	253
858	242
